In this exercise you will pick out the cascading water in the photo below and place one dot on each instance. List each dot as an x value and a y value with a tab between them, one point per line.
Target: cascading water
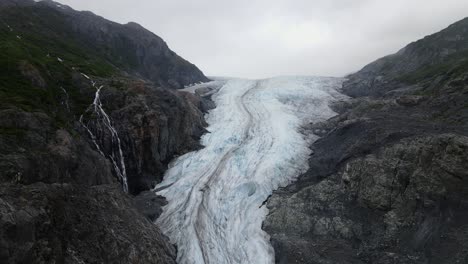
102	120
66	100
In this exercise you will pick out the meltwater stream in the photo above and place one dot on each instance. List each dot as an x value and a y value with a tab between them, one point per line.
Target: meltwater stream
254	145
103	122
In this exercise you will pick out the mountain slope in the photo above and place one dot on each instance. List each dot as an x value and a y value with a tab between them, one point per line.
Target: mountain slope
129	47
84	118
46	67
442	54
387	181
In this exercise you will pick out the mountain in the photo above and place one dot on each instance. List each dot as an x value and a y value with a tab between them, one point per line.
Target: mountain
128	47
89	117
388	178
439	55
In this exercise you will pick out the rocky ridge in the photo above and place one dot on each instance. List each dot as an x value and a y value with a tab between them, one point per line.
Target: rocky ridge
130	47
387	181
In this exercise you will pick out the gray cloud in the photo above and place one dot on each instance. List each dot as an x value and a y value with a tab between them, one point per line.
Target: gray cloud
262	38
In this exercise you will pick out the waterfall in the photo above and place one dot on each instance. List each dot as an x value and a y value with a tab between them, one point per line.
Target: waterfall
67	98
116	153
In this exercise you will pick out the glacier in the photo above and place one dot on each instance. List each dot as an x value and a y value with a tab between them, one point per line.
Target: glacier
254	146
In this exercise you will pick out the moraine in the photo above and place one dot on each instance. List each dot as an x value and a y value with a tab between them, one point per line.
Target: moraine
254	145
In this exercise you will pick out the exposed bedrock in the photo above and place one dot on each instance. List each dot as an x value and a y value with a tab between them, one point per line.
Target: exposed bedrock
81	188
155	126
78	110
64	223
388	178
403	203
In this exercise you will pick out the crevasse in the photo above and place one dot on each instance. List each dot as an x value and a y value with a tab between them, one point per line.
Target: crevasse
254	145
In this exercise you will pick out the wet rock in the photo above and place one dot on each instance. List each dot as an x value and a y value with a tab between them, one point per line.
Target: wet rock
155	125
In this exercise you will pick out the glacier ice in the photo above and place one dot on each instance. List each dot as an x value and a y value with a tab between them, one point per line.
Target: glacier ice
254	145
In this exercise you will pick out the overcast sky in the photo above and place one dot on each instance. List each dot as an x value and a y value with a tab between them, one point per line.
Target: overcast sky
263	38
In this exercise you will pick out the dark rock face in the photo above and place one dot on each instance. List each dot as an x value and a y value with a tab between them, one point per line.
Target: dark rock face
385	185
401	204
61	196
150	204
63	223
138	50
32	150
387	181
155	126
436	54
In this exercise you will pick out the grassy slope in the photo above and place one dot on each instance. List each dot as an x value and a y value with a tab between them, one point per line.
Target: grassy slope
37	37
454	66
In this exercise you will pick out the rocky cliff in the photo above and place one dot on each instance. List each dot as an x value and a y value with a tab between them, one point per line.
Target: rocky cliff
388	179
69	223
438	55
88	117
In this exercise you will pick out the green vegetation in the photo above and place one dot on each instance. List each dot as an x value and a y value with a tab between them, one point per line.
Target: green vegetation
37	60
453	66
16	132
